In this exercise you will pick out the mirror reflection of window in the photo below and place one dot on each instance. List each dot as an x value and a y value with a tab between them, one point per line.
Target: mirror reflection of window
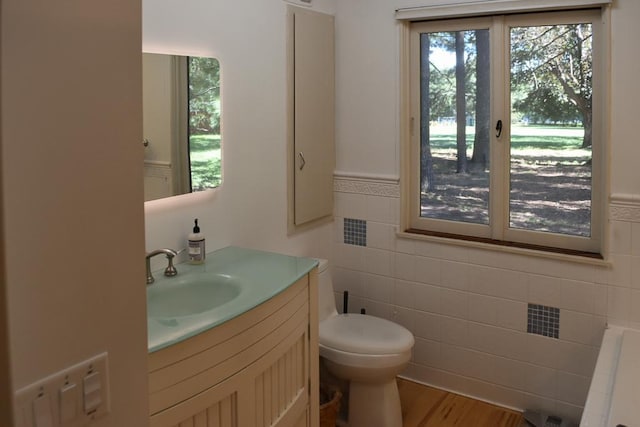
181	103
204	123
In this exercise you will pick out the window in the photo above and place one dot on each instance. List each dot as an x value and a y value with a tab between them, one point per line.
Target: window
506	130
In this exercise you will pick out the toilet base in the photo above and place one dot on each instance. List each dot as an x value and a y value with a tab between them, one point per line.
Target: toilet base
374	404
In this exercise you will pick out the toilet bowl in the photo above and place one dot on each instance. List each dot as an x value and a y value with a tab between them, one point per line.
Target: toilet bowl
368	352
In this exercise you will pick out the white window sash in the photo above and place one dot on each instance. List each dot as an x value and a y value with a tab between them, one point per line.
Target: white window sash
466	8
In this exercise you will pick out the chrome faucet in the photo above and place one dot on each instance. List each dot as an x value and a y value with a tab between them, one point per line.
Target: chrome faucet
170	271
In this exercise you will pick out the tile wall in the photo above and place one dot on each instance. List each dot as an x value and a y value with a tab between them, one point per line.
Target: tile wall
469	308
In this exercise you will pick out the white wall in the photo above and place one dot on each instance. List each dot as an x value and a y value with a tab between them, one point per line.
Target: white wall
72	193
468	307
250	209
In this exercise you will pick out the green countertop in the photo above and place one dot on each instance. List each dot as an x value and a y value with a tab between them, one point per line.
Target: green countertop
178	307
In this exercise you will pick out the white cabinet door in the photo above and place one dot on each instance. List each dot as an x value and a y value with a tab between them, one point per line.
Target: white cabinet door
313	113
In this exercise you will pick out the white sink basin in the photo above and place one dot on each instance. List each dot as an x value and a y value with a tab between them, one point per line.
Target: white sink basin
176	298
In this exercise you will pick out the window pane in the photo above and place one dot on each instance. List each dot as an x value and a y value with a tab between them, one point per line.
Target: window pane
551	90
204	123
454	126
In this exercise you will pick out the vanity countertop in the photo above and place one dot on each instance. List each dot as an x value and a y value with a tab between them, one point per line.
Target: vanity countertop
255	276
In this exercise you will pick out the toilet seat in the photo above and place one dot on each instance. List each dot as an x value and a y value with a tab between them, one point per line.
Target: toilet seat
364	335
367	361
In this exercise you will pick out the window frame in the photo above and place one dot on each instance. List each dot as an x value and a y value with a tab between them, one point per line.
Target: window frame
498	231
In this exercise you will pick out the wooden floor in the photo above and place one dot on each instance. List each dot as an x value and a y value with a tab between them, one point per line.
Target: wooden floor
424	406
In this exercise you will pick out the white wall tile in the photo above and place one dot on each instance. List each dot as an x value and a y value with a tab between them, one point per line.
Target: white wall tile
564	270
427	352
423	374
454	331
454	253
405	317
453	303
427	298
380	236
635	239
541	381
483	309
455	275
634	307
620	237
511	314
482	280
580	327
350	256
497	282
379	309
498	341
618	302
573	388
428	270
428	325
510	373
339	229
405	266
405	246
635	272
381	209
356	303
498	311
512	285
347	280
620	272
576	358
577	296
600	299
405	294
379	261
428	249
542	350
351	205
467	362
379	288
544	290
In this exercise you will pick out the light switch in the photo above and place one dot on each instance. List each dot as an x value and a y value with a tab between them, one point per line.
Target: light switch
42	411
68	402
71	397
92	392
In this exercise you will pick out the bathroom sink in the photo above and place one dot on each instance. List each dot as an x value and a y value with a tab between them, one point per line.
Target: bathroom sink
178	298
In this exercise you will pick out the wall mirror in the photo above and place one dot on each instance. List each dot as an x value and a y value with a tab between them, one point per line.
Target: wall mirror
181	124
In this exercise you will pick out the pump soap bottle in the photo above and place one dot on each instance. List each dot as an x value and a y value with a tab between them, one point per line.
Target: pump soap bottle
196	245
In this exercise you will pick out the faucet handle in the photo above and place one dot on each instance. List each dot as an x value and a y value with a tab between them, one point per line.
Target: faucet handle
170	271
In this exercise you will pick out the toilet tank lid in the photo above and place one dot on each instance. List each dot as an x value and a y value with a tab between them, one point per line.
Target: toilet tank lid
323	264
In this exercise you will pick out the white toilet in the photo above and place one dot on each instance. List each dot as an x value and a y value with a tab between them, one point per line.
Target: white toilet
368	352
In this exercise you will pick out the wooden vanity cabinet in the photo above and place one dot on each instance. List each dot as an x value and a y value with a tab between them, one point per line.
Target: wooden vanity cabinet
259	369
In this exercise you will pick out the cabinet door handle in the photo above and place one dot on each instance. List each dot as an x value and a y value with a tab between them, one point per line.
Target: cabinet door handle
304	162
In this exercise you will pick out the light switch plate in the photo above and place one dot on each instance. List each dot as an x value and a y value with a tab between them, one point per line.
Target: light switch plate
54	385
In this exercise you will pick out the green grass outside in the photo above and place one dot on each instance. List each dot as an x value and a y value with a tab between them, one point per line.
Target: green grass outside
206	161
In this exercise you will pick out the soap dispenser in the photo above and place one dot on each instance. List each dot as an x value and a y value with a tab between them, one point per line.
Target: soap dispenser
196	245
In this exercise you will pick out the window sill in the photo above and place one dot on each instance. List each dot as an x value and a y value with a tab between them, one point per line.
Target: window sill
507	247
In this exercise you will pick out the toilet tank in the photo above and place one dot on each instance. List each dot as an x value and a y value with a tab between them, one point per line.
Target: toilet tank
326	298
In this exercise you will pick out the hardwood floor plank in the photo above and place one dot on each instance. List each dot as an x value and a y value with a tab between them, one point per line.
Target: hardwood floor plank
424	406
418	402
